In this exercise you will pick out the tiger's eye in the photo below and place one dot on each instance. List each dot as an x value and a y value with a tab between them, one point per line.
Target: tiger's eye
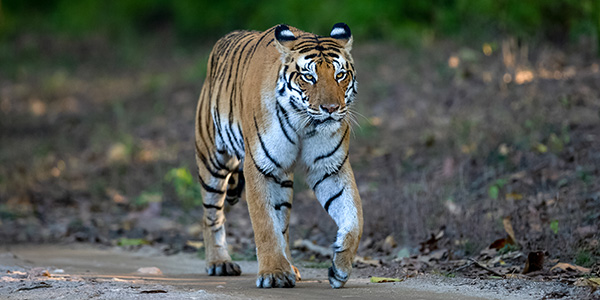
340	75
308	77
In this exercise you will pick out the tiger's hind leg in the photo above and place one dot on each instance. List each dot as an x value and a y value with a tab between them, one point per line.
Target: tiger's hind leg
236	187
214	183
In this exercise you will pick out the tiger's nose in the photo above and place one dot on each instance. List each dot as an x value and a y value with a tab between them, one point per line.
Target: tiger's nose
330	107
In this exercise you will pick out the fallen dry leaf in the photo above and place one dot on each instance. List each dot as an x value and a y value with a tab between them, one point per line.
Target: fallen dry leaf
509	229
591	282
515	276
385	279
389	243
431	244
195	244
436	255
570	267
372	262
500	243
509	240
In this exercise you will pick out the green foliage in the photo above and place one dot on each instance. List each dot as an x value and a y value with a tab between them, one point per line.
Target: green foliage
554	226
248	254
132	242
493	192
201	254
585	258
584	175
146	197
186	188
402	20
494	189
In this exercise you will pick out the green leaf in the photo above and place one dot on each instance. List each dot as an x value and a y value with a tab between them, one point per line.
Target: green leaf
554	226
493	192
132	242
384	279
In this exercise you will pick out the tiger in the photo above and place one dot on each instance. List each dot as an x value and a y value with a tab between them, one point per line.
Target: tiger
270	101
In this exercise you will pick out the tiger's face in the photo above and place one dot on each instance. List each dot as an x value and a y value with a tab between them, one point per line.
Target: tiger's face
317	76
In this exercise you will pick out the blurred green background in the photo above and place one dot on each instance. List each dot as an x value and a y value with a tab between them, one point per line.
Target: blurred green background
401	20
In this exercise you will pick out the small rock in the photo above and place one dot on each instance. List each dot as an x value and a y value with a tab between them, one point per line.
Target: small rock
150	271
404	252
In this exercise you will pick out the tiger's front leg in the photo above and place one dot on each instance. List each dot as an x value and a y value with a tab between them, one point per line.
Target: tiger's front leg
269	198
337	192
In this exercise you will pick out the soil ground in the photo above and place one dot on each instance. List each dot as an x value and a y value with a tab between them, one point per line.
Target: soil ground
83	271
453	142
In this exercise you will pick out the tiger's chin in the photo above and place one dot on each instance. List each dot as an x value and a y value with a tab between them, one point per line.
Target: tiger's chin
327	125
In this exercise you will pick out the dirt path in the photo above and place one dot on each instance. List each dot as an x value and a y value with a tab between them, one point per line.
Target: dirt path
82	272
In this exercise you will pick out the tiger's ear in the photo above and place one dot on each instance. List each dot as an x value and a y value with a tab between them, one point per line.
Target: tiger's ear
284	39
341	32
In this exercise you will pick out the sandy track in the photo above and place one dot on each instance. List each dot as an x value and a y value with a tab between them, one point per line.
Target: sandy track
83	272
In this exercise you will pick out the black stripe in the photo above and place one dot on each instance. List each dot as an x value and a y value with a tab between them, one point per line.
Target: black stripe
311	56
237	72
285	183
285	116
209	188
337	170
217	123
281	111
212	206
284	204
333	272
286	229
328	203
336	147
216	164
267	33
239	129
206	165
233	145
213	221
295	107
303	45
271	41
262	144
311	133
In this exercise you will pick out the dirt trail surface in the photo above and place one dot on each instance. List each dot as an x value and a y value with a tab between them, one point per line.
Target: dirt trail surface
82	272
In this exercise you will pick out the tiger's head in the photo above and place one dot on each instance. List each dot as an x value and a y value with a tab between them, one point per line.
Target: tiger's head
317	75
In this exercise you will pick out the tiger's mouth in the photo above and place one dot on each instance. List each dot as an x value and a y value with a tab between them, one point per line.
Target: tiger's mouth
323	120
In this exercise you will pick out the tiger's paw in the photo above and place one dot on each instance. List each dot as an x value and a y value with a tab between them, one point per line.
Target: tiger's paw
276	280
226	268
337	278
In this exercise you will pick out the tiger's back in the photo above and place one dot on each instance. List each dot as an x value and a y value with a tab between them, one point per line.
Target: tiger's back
270	100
